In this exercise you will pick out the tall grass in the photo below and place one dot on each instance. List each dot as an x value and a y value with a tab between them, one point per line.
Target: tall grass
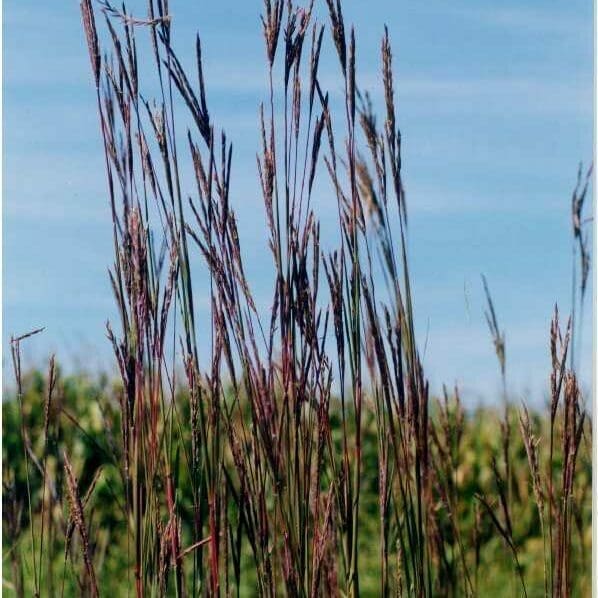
253	472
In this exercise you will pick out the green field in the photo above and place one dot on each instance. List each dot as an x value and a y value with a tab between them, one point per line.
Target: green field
84	423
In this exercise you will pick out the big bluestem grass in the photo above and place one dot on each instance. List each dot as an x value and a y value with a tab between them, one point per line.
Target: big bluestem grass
258	468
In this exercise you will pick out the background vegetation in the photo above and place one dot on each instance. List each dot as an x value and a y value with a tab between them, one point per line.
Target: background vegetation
85	409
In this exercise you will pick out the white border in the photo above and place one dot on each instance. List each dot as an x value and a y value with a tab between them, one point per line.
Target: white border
595	327
1	231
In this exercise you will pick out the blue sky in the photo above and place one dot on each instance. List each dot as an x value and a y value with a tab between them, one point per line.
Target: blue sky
495	107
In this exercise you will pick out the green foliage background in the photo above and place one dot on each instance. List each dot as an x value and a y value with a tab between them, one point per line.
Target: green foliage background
84	419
